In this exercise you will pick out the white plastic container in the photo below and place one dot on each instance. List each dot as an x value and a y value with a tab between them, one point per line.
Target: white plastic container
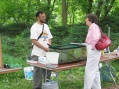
52	59
28	72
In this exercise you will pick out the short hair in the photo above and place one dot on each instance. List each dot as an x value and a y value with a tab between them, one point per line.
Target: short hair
92	18
39	12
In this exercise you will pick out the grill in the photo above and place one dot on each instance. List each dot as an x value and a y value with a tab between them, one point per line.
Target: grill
70	52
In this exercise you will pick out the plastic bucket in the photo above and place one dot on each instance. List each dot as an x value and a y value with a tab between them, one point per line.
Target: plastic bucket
52	57
28	72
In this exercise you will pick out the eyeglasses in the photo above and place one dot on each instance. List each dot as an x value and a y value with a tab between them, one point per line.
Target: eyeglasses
43	17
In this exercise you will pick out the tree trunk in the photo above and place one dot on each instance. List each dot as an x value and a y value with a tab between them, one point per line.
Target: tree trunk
64	13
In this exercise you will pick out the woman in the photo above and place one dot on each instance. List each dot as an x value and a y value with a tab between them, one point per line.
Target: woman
92	74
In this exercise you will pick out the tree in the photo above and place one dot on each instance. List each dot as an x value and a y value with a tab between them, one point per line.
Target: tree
73	8
50	7
71	11
99	7
64	12
107	8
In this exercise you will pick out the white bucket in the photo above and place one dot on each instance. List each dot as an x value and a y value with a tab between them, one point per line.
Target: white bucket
52	57
28	72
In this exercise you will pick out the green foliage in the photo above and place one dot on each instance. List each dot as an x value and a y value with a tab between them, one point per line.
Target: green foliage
17	11
112	23
13	62
115	42
76	33
24	10
66	35
17	46
13	29
59	33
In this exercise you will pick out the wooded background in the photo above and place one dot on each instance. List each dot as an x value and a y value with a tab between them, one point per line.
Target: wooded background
66	19
59	12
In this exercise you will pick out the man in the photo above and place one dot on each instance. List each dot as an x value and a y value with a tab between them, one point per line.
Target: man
40	46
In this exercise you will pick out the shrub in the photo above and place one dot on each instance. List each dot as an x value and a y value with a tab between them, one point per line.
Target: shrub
112	22
77	34
13	29
59	33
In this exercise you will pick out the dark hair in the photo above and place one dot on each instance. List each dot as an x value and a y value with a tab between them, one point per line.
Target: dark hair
92	18
39	12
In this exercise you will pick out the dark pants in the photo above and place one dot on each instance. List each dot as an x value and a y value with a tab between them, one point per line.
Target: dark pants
39	74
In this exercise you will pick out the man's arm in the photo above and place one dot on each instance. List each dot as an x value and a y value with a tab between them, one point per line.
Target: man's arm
50	41
36	43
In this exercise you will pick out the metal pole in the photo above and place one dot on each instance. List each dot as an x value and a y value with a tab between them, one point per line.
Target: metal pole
108	50
1	65
109	32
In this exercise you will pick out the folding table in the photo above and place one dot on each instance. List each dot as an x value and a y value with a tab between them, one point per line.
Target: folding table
68	66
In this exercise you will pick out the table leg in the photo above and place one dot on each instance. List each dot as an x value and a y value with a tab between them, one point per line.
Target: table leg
109	65
45	76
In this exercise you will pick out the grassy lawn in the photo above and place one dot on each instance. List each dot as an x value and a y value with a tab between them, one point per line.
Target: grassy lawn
71	79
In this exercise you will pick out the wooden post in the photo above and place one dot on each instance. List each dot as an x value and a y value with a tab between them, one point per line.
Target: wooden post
1	65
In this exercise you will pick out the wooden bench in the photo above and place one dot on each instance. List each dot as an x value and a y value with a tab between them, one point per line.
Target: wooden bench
2	69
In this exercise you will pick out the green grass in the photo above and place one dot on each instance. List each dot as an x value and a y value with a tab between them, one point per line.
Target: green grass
73	79
67	80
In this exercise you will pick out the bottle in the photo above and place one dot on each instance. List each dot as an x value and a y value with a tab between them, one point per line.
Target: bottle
118	50
102	52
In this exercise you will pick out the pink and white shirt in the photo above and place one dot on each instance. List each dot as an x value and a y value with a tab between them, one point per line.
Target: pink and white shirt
93	35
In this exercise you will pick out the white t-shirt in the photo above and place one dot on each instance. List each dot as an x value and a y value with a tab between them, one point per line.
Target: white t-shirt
35	31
